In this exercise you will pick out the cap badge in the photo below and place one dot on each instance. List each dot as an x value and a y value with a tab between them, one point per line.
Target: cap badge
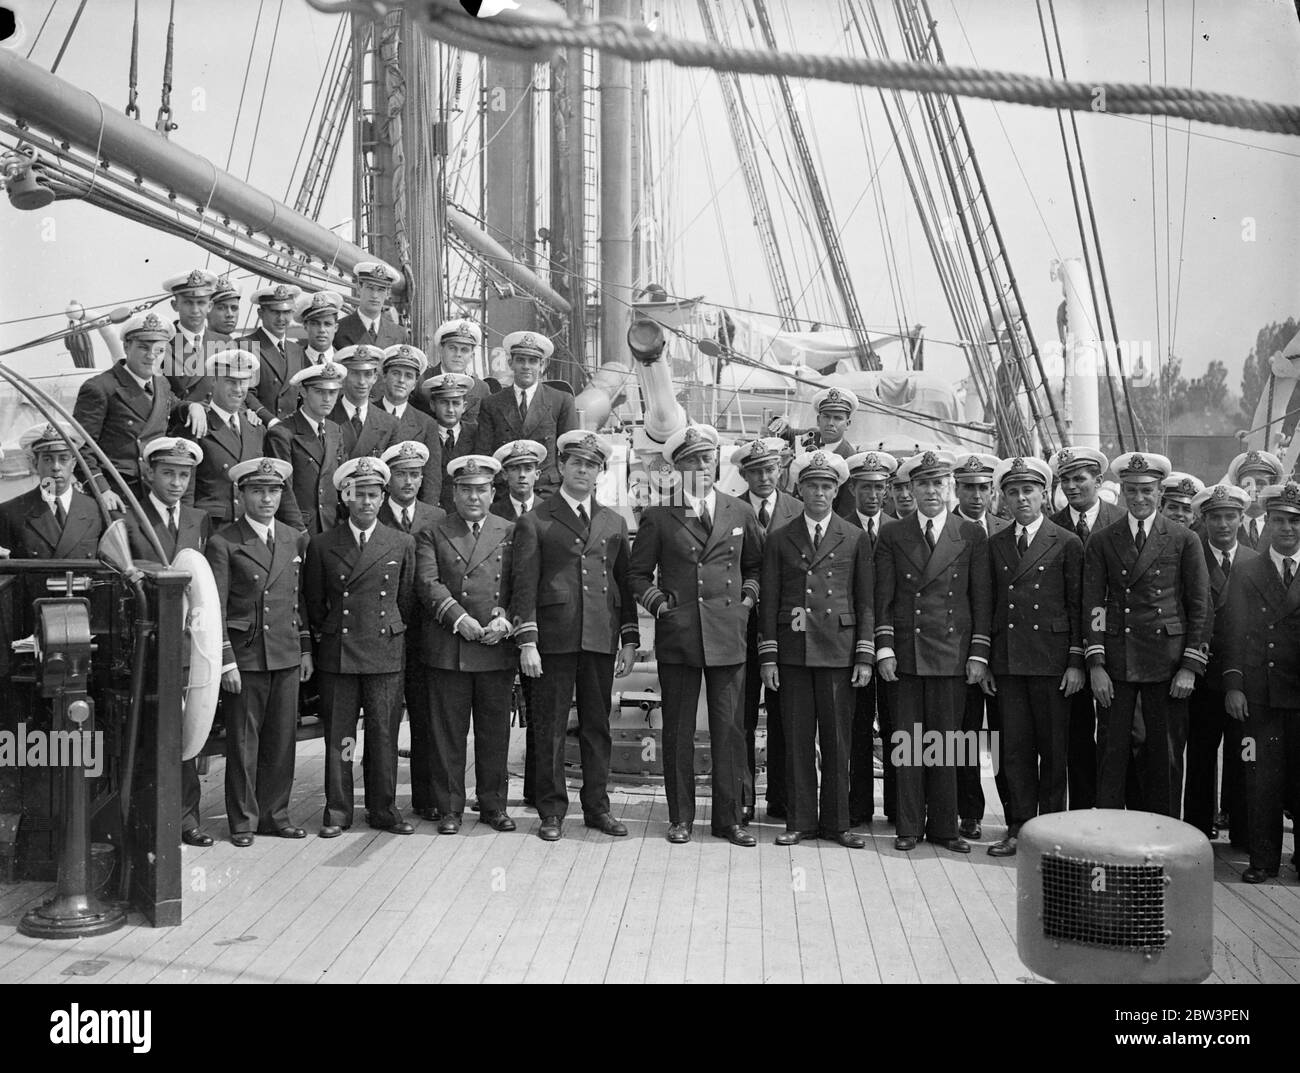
470	467
281	294
408	450
1219	494
1017	464
929	460
973	462
871	461
1290	493
834	395
757	449
590	443
195	279
692	436
1252	457
1065	457
152	322
364	468
1186	487
1137	464
527	339
266	467
819	459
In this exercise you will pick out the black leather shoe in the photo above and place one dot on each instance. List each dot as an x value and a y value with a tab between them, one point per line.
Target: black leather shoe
430	814
793	838
552	828
331	830
905	843
195	837
401	827
775	812
736	835
1005	848
954	845
498	821
449	824
286	832
847	839
242	839
970	829
746	815
605	823
1254	875
679	833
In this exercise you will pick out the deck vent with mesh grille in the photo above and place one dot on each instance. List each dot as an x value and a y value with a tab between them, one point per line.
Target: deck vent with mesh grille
1116	906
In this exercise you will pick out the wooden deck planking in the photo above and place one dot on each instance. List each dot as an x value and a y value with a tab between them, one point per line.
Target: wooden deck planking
959	940
671	942
743	935
847	909
990	929
888	940
928	951
629	957
779	916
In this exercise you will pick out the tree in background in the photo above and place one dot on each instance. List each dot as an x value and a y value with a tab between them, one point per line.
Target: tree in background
1254	377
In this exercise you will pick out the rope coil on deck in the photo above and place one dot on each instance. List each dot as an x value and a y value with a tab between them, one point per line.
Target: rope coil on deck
634	41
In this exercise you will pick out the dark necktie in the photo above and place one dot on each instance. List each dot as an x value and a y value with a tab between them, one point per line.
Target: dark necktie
871	531
1081	529
523	407
764	515
320	435
60	515
1022	541
1141	538
817	535
1225	564
406	518
234	427
449	441
361	539
475	530
148	388
1254	533
706	519
355	420
371	335
171	523
583	517
270	537
1288	571
929	533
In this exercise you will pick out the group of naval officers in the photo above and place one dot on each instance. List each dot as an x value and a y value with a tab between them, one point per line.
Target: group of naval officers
410	541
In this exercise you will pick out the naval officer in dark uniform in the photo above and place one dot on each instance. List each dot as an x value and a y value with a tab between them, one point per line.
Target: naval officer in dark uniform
576	628
457	342
184	365
318	314
280	358
1147	618
367	428
1037	660
1220	510
360	585
1252	471
695	567
312	444
934	609
401	370
818	647
463	566
1079	470
869	475
1261	676
223	313
760	464
369	324
257	564
833	408
447	394
407	463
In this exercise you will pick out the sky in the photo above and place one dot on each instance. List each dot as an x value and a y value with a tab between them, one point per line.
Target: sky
1184	274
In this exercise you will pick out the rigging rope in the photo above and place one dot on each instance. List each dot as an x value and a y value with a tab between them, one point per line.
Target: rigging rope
35	40
67	38
270	60
132	107
635	41
164	125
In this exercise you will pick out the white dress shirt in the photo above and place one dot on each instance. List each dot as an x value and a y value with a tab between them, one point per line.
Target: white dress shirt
1147	523
528	393
757	503
165	511
1090	516
356	533
812	524
870	523
1030	530
351	410
263	531
710	501
574	504
524	506
1230	555
397	409
1279	560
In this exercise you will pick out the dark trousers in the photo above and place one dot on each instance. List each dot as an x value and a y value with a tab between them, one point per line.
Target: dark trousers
261	740
1272	779
191	795
970	794
1162	756
1207	725
724	689
1032	745
344	697
819	711
530	739
862	769
754	692
455	696
1081	752
419	714
927	792
886	702
591	676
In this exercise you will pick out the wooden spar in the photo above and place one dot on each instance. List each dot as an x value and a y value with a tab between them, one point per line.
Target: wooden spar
498	257
34	96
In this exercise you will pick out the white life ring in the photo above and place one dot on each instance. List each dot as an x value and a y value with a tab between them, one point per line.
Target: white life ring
202	611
